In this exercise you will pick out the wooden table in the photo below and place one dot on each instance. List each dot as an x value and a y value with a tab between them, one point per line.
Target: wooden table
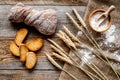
10	67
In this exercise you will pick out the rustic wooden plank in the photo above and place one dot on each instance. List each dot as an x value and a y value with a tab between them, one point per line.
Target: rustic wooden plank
46	2
44	70
8	30
15	64
28	75
8	61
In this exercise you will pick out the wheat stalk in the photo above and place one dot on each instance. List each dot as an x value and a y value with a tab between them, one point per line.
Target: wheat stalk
56	45
62	58
66	39
70	34
87	72
96	44
92	40
58	66
59	51
96	71
71	63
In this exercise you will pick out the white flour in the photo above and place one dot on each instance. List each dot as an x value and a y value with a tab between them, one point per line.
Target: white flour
110	35
95	23
116	54
86	56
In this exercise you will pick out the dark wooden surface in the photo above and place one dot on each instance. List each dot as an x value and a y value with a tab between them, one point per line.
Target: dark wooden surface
10	67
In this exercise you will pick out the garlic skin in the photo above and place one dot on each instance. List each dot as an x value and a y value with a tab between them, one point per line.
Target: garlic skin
44	21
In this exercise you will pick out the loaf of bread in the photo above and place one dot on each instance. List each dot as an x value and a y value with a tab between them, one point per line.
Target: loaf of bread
44	21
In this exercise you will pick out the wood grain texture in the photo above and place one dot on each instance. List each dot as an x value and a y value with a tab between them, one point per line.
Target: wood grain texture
7	60
47	2
12	28
10	67
28	75
112	47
